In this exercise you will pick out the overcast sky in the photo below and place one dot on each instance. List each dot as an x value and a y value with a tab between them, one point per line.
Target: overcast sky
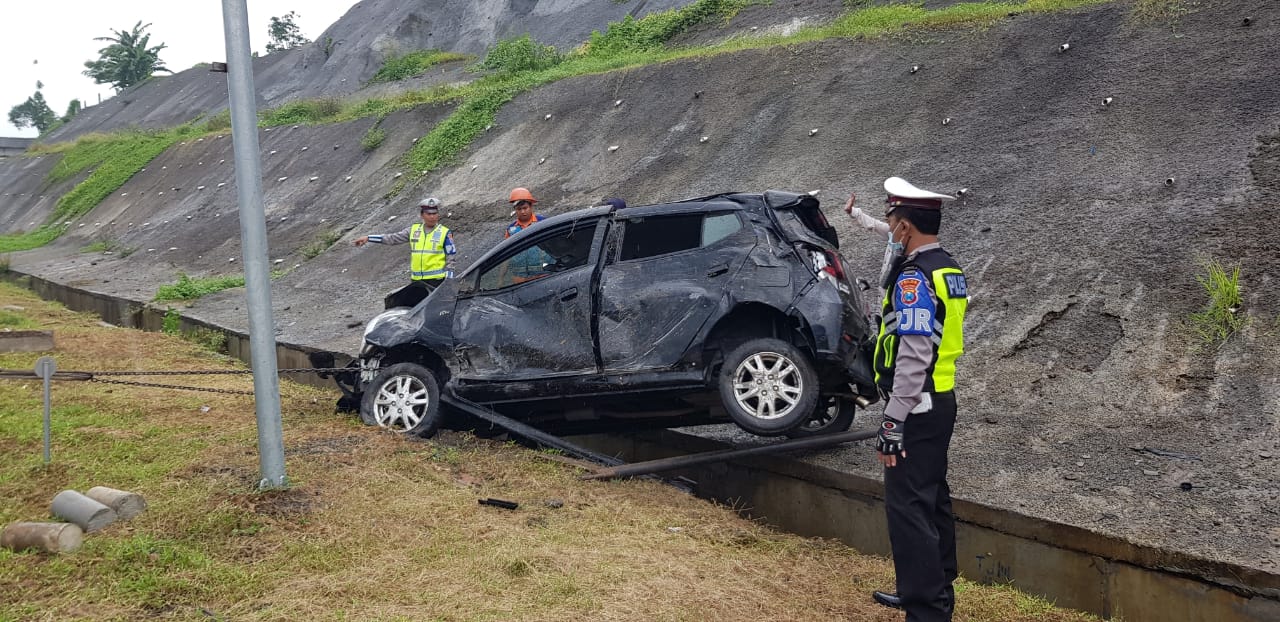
50	41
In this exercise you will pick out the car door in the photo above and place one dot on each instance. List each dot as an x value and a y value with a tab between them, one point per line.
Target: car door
527	314
666	273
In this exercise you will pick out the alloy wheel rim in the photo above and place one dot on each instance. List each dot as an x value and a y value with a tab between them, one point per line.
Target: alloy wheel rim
767	385
401	403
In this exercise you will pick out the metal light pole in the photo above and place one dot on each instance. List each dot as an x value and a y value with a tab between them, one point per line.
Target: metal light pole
253	240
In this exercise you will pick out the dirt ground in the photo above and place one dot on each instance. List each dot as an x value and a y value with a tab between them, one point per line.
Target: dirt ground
1085	398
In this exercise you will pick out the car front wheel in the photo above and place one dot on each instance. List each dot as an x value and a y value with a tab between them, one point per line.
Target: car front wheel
768	386
404	397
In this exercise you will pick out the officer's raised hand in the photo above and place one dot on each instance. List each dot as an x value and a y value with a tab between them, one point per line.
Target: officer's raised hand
889	441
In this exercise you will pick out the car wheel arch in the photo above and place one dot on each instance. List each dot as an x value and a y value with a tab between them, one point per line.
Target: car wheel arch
422	356
756	319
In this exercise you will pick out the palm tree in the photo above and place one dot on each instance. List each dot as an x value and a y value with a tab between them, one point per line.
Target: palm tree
128	60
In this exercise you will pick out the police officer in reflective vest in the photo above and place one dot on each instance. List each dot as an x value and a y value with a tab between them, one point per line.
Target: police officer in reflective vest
433	251
921	336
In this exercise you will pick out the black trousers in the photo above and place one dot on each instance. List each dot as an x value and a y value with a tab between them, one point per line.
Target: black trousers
922	529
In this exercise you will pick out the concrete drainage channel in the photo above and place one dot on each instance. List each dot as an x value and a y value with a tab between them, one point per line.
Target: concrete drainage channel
1074	567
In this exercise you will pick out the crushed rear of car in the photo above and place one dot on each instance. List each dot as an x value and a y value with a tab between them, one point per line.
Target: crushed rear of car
732	307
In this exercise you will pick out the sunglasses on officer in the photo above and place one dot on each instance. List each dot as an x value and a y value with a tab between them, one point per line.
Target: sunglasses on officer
523	205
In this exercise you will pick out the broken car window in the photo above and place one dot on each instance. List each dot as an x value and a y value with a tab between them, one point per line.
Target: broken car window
559	251
661	235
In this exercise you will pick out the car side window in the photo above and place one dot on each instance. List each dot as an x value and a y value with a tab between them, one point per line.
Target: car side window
543	256
716	227
661	235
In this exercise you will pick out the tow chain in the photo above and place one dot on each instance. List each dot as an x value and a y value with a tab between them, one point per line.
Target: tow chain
93	376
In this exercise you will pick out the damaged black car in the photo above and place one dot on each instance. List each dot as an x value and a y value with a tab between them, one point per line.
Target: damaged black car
733	307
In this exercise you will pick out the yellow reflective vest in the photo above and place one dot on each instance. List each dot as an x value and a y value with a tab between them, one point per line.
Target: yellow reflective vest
928	298
429	252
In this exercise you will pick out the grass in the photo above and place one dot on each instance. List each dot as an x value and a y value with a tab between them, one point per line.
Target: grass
373	138
1154	10
108	245
15	321
1222	317
413	64
306	111
375	525
112	159
320	244
188	288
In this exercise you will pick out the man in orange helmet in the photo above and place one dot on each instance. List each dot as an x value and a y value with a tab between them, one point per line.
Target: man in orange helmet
522	202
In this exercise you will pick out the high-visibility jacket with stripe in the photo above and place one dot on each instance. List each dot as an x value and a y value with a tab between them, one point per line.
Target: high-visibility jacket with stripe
928	299
429	252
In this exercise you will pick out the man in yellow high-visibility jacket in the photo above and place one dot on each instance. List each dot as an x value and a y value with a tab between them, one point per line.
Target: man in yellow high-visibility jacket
433	251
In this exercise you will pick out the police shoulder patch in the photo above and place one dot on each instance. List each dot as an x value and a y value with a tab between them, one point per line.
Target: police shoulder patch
957	286
914	303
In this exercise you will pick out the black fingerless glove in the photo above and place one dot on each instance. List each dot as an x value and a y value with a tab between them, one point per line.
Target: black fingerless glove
889	441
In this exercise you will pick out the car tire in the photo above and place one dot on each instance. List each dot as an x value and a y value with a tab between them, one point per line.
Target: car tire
768	386
832	416
404	397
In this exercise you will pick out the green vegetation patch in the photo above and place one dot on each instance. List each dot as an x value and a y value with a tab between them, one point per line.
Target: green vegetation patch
17	321
114	158
373	138
519	54
654	30
320	244
413	64
308	111
188	288
1222	315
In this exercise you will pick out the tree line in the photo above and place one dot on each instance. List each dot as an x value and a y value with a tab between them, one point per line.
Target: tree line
129	59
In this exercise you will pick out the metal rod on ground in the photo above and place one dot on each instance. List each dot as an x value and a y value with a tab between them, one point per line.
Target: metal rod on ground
527	431
724	455
253	241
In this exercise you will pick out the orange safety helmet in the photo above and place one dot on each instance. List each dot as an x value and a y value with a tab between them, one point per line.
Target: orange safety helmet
522	194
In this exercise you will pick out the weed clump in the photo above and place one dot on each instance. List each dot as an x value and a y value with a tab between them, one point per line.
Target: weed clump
412	64
520	54
188	288
1221	316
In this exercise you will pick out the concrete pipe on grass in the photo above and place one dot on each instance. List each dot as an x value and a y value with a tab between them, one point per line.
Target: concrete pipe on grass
90	515
46	537
125	504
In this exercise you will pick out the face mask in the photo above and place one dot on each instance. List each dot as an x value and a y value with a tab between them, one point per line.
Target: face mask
894	255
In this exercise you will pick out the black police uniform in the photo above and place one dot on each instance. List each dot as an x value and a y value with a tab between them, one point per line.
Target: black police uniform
923	315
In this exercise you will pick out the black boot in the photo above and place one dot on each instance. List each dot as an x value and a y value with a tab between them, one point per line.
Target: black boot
887	599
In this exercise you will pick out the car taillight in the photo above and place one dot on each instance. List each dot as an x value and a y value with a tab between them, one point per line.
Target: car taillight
834	266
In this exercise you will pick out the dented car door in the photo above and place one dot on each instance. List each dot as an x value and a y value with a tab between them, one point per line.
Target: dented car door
527	314
665	275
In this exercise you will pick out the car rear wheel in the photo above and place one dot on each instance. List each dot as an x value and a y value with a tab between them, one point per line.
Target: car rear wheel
404	397
832	416
768	386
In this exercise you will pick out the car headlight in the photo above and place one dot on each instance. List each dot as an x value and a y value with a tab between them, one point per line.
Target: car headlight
381	318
